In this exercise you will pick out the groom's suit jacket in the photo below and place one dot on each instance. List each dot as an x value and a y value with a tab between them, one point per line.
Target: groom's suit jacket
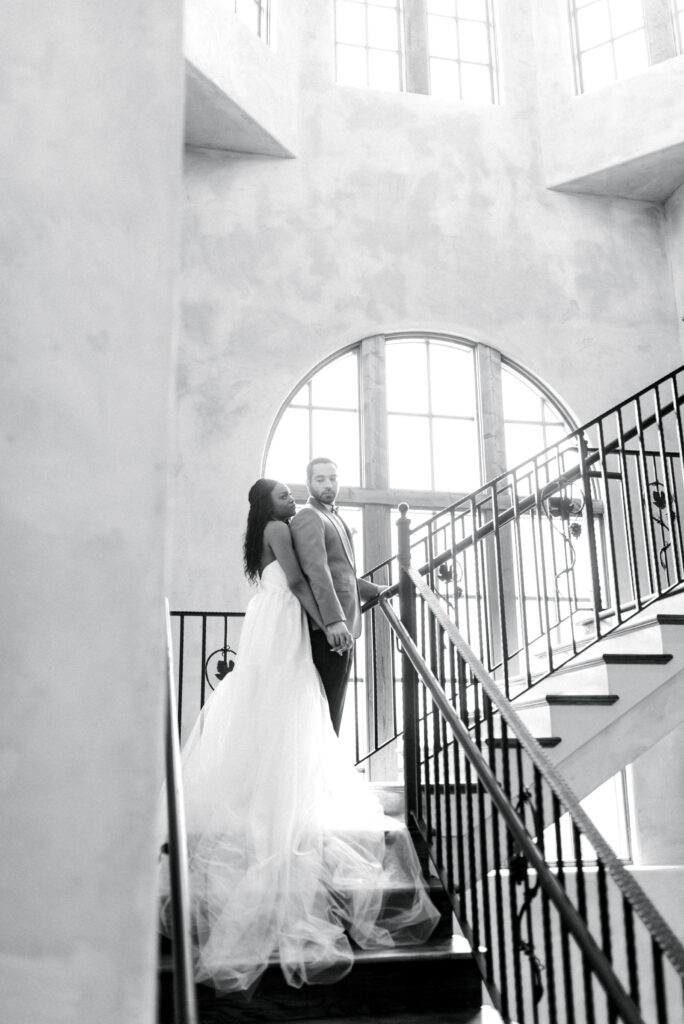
324	549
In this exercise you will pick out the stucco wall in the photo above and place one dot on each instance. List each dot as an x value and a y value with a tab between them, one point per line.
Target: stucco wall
674	211
91	171
400	212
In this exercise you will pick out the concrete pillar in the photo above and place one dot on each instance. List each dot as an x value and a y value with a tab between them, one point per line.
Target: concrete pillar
91	106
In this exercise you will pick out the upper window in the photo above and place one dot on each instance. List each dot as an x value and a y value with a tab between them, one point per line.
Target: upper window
257	15
609	41
377	45
368	46
461	50
678	10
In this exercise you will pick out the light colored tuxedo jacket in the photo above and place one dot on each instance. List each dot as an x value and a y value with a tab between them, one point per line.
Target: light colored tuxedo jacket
325	553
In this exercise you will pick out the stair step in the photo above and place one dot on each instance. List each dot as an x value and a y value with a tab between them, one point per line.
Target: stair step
596	699
636	659
513	742
441	975
667	619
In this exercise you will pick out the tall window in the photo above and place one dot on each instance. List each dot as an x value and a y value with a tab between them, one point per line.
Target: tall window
442	47
461	50
609	39
257	15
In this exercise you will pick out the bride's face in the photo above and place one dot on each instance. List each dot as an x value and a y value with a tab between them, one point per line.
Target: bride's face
283	503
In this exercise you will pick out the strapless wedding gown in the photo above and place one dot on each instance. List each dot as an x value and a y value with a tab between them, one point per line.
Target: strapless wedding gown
290	854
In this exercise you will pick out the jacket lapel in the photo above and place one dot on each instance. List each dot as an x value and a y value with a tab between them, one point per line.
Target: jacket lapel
339	526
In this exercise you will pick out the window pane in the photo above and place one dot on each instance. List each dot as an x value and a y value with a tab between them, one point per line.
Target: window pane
351	65
626	15
443	37
407	386
383	28
383	70
473	42
350	23
593	25
476	83
336	434
289	450
444	7
631	55
476	9
520	402
337	384
522	441
456	455
409	452
597	67
444	78
452	380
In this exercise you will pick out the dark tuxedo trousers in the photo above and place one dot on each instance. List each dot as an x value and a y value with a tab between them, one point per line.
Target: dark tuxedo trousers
334	672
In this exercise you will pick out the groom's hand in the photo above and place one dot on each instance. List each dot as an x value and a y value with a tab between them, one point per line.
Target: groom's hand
339	637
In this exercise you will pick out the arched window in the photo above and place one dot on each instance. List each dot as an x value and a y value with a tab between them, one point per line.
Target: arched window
419	418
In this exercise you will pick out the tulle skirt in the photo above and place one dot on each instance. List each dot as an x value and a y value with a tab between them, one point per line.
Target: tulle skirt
291	858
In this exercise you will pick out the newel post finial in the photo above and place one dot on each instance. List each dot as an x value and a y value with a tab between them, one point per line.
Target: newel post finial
404	540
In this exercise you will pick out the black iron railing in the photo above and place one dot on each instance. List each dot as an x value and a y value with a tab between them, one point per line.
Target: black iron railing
542	562
555	940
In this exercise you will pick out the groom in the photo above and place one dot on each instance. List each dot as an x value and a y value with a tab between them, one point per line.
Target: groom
323	543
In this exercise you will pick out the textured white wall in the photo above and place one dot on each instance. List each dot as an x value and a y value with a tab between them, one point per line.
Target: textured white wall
398	212
91	169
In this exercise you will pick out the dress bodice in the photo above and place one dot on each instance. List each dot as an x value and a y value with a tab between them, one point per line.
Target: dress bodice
273	577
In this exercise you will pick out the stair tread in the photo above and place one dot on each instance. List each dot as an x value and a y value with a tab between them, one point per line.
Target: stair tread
455	947
573	699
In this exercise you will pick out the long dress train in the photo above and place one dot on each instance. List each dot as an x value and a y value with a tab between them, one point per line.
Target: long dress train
290	854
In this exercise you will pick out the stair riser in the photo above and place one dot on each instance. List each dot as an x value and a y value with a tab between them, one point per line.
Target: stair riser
369	990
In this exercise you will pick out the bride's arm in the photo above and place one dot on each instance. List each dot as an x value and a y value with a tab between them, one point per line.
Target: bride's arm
277	534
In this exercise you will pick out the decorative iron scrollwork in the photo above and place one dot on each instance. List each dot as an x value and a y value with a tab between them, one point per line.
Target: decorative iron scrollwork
662	515
519	868
223	666
565	506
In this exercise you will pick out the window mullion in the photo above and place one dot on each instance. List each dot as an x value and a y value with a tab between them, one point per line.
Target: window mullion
661	40
417	57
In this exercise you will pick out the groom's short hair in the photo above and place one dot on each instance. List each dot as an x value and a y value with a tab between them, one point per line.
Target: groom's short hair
315	462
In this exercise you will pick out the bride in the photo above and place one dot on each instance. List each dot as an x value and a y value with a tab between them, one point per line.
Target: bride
291	858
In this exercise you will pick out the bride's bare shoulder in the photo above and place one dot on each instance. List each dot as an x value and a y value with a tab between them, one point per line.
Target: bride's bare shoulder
276	528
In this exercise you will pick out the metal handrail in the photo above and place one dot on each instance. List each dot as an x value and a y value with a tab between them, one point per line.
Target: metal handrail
185	1007
570	916
634	893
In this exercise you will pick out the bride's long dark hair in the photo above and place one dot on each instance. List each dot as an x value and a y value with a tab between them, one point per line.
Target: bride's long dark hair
260	513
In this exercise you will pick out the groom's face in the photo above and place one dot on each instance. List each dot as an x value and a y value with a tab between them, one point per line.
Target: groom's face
323	483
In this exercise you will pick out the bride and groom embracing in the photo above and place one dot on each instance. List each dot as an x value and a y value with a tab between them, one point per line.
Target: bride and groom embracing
291	858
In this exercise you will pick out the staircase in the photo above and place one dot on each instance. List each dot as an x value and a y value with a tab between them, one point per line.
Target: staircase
535	628
435	979
606	707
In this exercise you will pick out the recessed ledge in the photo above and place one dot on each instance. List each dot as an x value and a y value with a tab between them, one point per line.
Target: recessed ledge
626	140
239	92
